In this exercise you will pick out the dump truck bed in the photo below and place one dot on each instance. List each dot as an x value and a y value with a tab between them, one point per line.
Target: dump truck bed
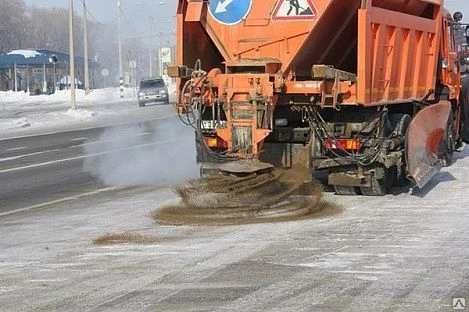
391	46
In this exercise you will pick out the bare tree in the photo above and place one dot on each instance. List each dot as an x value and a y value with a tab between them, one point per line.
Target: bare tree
48	29
12	19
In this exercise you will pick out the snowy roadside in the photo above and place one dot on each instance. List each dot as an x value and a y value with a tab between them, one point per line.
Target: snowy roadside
23	114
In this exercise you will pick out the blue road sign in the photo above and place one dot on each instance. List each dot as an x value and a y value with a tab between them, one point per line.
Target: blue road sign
229	12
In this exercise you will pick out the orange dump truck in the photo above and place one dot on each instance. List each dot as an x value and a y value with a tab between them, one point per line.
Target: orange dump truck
366	91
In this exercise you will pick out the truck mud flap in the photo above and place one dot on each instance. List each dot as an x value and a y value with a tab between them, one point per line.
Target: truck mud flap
424	141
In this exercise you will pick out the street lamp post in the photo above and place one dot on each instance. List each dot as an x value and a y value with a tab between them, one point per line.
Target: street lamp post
151	45
73	103
121	78
158	69
85	47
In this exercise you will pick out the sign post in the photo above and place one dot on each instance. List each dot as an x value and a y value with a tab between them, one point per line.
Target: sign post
105	73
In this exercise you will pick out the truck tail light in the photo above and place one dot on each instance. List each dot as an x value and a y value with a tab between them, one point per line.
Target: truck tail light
346	144
215	142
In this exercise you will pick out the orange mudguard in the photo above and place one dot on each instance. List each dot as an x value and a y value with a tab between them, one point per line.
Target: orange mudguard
423	144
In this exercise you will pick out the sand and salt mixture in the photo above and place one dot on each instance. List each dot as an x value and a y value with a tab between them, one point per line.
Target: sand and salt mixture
278	195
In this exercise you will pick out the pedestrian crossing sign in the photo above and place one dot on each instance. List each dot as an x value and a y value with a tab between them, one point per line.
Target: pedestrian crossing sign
294	10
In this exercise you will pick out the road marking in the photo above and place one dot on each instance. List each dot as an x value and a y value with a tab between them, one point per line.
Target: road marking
107	141
79	139
26	155
17	148
104	125
86	156
49	163
6	213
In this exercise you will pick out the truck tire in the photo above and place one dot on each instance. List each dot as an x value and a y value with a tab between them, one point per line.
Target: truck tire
400	124
401	176
448	144
380	187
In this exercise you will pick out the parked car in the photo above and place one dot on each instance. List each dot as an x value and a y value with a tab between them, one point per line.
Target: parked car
152	91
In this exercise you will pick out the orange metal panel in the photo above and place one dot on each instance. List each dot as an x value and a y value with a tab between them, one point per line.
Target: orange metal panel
397	55
393	52
329	36
364	56
194	11
423	141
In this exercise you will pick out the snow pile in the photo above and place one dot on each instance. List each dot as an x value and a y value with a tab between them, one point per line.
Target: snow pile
20	110
99	95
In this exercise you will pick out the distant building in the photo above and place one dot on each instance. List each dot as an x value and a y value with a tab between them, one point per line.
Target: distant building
40	71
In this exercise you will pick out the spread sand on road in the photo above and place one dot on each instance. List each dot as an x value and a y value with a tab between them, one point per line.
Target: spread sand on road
278	195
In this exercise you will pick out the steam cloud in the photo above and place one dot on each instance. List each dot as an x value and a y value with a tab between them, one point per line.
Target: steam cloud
147	154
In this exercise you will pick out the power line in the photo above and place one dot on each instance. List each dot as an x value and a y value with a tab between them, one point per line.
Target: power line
91	14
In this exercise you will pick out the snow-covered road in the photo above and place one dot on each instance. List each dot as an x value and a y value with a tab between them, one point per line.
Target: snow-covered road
401	252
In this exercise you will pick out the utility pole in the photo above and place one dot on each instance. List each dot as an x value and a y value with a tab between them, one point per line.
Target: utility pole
158	64
151	45
121	78
73	102
85	46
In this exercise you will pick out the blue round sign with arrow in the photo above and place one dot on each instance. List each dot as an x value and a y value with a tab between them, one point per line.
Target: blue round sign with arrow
229	12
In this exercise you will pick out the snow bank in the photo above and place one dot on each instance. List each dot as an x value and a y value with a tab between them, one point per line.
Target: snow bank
106	95
20	111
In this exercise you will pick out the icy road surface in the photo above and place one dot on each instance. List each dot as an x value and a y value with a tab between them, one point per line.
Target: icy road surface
402	252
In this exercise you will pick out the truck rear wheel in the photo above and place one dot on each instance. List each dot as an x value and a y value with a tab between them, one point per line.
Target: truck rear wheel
401	176
380	187
448	144
400	124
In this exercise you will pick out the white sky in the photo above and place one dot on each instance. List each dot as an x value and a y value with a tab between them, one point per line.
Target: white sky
136	13
459	5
